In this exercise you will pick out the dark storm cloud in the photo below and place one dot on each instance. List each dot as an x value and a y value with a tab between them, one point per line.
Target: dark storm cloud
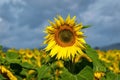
104	17
22	21
37	11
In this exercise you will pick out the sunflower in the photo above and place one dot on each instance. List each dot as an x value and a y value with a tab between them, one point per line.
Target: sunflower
98	75
64	38
29	53
5	72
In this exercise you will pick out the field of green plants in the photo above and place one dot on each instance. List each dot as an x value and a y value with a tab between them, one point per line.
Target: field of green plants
26	64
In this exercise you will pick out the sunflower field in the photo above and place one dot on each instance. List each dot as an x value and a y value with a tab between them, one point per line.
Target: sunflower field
66	56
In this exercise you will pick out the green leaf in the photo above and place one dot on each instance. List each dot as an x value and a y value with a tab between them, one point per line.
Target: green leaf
43	72
17	68
118	77
2	78
75	68
1	60
24	71
85	74
27	65
97	64
111	76
1	47
66	75
12	55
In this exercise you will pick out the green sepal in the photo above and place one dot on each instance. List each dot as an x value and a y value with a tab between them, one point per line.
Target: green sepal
86	26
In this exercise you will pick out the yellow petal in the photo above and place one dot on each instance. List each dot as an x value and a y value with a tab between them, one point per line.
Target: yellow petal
54	51
73	51
57	22
60	53
80	45
81	40
72	21
78	27
80	51
64	53
45	42
61	19
79	33
52	24
50	45
68	19
48	40
68	53
50	30
47	36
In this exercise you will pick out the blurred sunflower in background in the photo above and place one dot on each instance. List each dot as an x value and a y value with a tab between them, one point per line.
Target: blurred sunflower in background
64	38
7	74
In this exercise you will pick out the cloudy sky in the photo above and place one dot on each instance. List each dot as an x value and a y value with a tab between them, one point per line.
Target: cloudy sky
22	21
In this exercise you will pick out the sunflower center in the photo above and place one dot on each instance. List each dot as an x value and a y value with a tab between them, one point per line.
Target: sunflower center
65	36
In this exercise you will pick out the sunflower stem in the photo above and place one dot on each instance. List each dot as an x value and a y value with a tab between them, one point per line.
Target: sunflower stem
72	66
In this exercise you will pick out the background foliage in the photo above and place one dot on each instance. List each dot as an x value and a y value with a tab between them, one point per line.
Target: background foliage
28	64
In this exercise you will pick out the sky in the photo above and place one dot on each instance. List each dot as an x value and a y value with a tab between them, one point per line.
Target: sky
22	22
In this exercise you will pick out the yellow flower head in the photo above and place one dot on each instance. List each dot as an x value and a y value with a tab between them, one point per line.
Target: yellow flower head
64	38
7	73
60	64
29	53
98	75
21	51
